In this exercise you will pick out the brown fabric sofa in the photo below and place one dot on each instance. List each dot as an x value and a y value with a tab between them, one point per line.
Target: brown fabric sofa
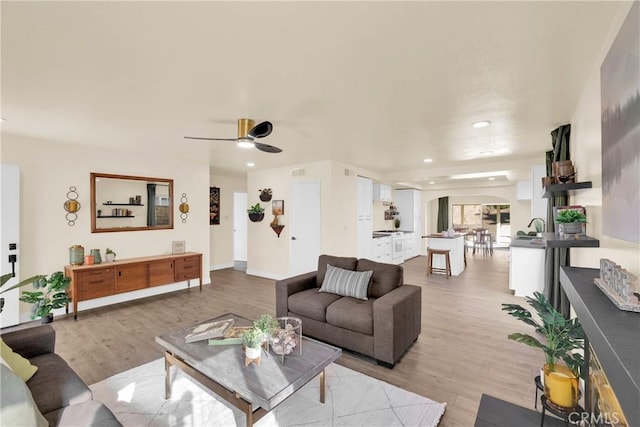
383	327
59	393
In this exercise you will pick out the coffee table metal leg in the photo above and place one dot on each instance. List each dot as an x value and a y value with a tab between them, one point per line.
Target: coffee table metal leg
167	376
322	384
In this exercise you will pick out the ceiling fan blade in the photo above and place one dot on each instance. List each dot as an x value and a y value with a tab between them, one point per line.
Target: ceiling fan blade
267	148
261	130
211	139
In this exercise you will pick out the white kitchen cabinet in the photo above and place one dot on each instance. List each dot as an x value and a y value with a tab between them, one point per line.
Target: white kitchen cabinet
382	192
409	245
364	217
409	204
526	270
538	203
382	249
523	190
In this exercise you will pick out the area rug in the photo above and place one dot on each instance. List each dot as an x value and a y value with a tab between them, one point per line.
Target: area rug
136	397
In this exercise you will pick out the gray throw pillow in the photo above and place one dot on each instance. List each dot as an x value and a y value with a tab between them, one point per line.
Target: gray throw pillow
347	283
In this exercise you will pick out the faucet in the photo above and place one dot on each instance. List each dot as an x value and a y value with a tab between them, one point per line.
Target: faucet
533	220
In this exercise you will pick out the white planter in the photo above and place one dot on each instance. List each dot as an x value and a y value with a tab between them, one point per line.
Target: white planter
252	353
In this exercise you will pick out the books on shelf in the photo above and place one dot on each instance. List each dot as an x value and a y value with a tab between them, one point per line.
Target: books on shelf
209	330
231	337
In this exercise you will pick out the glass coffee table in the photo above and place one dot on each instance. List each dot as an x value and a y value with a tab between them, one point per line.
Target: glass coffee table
254	389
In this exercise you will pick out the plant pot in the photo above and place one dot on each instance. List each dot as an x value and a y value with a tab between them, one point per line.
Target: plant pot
256	217
561	386
48	318
570	228
109	257
252	353
265	197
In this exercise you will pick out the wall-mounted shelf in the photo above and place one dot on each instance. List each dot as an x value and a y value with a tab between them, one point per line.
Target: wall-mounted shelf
555	190
117	216
121	204
552	240
277	229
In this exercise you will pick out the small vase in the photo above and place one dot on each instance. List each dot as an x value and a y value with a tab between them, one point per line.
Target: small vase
109	257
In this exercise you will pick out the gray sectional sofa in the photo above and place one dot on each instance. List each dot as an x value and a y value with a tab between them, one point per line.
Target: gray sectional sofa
383	326
58	392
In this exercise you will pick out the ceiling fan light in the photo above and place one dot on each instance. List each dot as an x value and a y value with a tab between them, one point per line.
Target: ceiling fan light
245	143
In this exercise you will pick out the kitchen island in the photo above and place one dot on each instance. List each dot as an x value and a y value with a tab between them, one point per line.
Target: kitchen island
455	245
526	266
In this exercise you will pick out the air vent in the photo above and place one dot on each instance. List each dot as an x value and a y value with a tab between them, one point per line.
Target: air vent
298	172
347	172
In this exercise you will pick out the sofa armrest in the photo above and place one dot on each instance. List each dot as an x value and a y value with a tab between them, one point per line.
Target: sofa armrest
290	286
396	322
31	342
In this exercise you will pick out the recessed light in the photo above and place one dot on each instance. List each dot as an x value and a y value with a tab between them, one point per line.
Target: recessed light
432	182
486	153
481	124
492	178
428	160
250	164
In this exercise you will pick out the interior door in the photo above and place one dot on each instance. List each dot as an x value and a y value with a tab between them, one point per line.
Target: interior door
240	227
10	220
305	227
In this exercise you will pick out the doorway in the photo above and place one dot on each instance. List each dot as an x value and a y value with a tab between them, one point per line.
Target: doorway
240	231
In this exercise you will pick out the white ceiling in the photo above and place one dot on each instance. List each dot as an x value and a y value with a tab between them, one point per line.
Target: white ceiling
378	85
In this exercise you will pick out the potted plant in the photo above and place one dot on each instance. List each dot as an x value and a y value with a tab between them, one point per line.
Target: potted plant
267	325
570	221
5	278
252	340
562	337
50	294
109	255
256	213
265	194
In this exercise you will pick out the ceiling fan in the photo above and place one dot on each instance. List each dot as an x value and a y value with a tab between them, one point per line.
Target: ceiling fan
248	132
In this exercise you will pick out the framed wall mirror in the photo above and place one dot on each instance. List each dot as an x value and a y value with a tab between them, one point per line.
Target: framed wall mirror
130	203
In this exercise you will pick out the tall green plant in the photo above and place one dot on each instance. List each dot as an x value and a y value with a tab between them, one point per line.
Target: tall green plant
561	335
49	294
6	277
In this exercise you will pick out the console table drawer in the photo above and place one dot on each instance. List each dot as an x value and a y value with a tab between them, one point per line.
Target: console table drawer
187	268
94	283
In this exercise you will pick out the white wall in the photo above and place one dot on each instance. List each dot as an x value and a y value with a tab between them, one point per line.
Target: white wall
49	168
221	235
586	143
268	255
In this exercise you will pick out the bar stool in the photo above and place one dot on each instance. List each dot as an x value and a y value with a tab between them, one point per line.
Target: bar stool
431	268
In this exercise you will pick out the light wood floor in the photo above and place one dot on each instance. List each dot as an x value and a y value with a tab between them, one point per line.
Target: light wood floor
461	353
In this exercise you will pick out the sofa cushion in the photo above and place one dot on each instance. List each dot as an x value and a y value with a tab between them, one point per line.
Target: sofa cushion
312	303
347	283
89	413
336	261
386	277
17	407
55	384
18	364
352	314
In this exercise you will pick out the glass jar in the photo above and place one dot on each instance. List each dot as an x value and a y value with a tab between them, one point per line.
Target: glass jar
76	255
287	338
97	259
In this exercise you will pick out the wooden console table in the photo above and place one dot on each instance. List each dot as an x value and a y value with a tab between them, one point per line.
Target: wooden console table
132	274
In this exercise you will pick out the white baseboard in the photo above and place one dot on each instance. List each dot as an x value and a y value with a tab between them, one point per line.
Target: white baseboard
265	275
221	266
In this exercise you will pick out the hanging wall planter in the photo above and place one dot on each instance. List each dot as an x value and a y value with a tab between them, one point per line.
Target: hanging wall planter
256	213
256	217
265	194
